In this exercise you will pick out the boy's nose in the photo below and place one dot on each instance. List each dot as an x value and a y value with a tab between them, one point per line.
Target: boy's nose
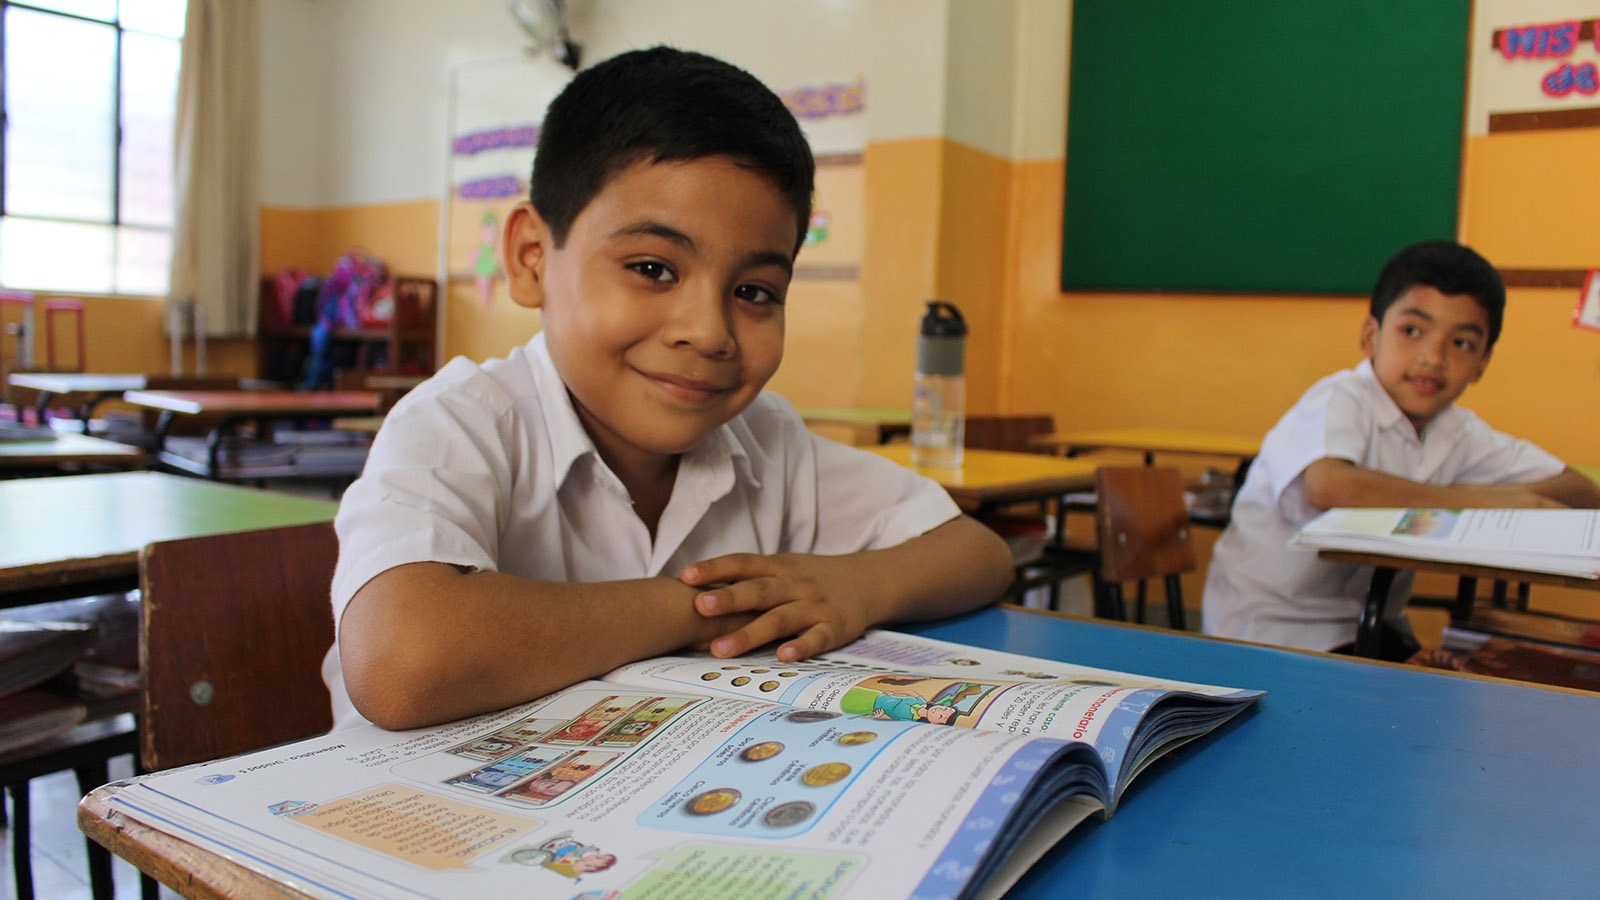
1432	353
700	320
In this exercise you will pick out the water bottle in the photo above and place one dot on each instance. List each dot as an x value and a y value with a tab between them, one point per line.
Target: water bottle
939	400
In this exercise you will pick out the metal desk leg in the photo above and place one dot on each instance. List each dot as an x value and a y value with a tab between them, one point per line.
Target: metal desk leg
1466	599
1368	632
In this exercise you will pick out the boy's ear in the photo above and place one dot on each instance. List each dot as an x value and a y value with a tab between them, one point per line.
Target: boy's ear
524	246
1369	335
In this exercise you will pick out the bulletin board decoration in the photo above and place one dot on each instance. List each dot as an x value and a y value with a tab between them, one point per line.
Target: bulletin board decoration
1587	314
1259	146
1552	45
826	101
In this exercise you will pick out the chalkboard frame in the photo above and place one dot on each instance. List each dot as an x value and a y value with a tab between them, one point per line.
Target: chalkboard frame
1259	146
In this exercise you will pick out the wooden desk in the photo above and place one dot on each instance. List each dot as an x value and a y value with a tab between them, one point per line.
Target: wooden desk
885	423
232	407
1349	779
988	479
1151	441
81	534
1386	566
98	387
66	448
359	424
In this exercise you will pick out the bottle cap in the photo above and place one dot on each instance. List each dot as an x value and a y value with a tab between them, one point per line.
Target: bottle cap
943	320
939	352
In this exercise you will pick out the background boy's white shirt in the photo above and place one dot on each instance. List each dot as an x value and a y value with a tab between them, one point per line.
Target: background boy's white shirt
1257	589
489	467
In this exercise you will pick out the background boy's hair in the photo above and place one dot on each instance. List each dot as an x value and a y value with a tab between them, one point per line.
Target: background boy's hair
1447	267
663	105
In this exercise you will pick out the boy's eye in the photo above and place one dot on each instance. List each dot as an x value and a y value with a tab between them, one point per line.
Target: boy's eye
1467	344
755	293
1410	330
655	271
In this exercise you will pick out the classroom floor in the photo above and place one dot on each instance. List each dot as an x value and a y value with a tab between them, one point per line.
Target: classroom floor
59	868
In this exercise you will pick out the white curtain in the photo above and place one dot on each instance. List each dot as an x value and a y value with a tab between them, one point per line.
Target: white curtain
217	171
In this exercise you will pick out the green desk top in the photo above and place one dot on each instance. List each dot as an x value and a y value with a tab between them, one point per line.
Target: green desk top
63	530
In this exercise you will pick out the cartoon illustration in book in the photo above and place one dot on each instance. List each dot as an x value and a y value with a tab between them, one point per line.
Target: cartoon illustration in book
563	855
934	700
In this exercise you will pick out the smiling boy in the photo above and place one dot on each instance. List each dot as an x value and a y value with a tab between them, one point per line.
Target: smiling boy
622	487
1386	434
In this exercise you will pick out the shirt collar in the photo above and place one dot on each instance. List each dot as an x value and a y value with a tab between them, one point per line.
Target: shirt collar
1446	426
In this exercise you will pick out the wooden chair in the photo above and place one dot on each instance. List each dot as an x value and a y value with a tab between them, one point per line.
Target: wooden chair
233	634
1006	432
1036	564
1143	533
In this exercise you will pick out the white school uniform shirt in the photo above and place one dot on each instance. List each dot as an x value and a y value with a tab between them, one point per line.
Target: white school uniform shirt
487	466
1257	589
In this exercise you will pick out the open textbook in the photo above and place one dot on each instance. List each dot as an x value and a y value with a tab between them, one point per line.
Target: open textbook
895	767
1557	541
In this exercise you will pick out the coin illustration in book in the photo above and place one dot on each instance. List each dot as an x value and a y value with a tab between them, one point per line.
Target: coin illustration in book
827	773
769	685
761	751
713	801
852	738
785	814
741	681
711	676
810	715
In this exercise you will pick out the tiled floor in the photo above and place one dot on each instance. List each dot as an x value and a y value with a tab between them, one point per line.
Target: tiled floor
59	869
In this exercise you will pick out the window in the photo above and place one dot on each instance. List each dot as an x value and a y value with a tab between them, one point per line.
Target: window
90	88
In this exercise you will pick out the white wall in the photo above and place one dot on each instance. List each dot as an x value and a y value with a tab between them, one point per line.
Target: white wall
354	91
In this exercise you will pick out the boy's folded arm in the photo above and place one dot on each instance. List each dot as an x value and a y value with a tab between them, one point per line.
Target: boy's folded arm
815	603
1331	482
1571	488
426	643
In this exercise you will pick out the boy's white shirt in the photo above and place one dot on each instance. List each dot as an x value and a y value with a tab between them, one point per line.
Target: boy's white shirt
1259	590
487	466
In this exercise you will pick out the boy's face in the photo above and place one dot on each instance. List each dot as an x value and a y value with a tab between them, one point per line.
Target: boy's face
663	312
1427	349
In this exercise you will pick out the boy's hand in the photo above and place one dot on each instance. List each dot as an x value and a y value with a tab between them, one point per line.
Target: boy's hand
818	600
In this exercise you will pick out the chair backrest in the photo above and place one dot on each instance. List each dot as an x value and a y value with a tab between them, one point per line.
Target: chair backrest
1142	523
1006	432
231	643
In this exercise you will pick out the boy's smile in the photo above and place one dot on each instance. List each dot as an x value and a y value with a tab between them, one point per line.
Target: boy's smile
663	310
1427	349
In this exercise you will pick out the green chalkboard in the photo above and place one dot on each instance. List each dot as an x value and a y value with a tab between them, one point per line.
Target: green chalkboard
1286	146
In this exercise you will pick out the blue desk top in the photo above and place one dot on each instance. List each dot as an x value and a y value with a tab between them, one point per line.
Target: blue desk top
1349	779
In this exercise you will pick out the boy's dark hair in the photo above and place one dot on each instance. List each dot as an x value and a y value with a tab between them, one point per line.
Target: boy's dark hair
1448	268
662	105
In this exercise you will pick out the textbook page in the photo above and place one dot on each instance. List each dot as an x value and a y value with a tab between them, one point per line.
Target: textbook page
601	791
894	676
1559	541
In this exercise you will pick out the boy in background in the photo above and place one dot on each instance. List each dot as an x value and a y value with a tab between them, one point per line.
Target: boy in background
1387	434
621	486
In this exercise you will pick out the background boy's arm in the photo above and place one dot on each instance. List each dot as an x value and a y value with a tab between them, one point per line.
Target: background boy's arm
425	643
823	602
1333	482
